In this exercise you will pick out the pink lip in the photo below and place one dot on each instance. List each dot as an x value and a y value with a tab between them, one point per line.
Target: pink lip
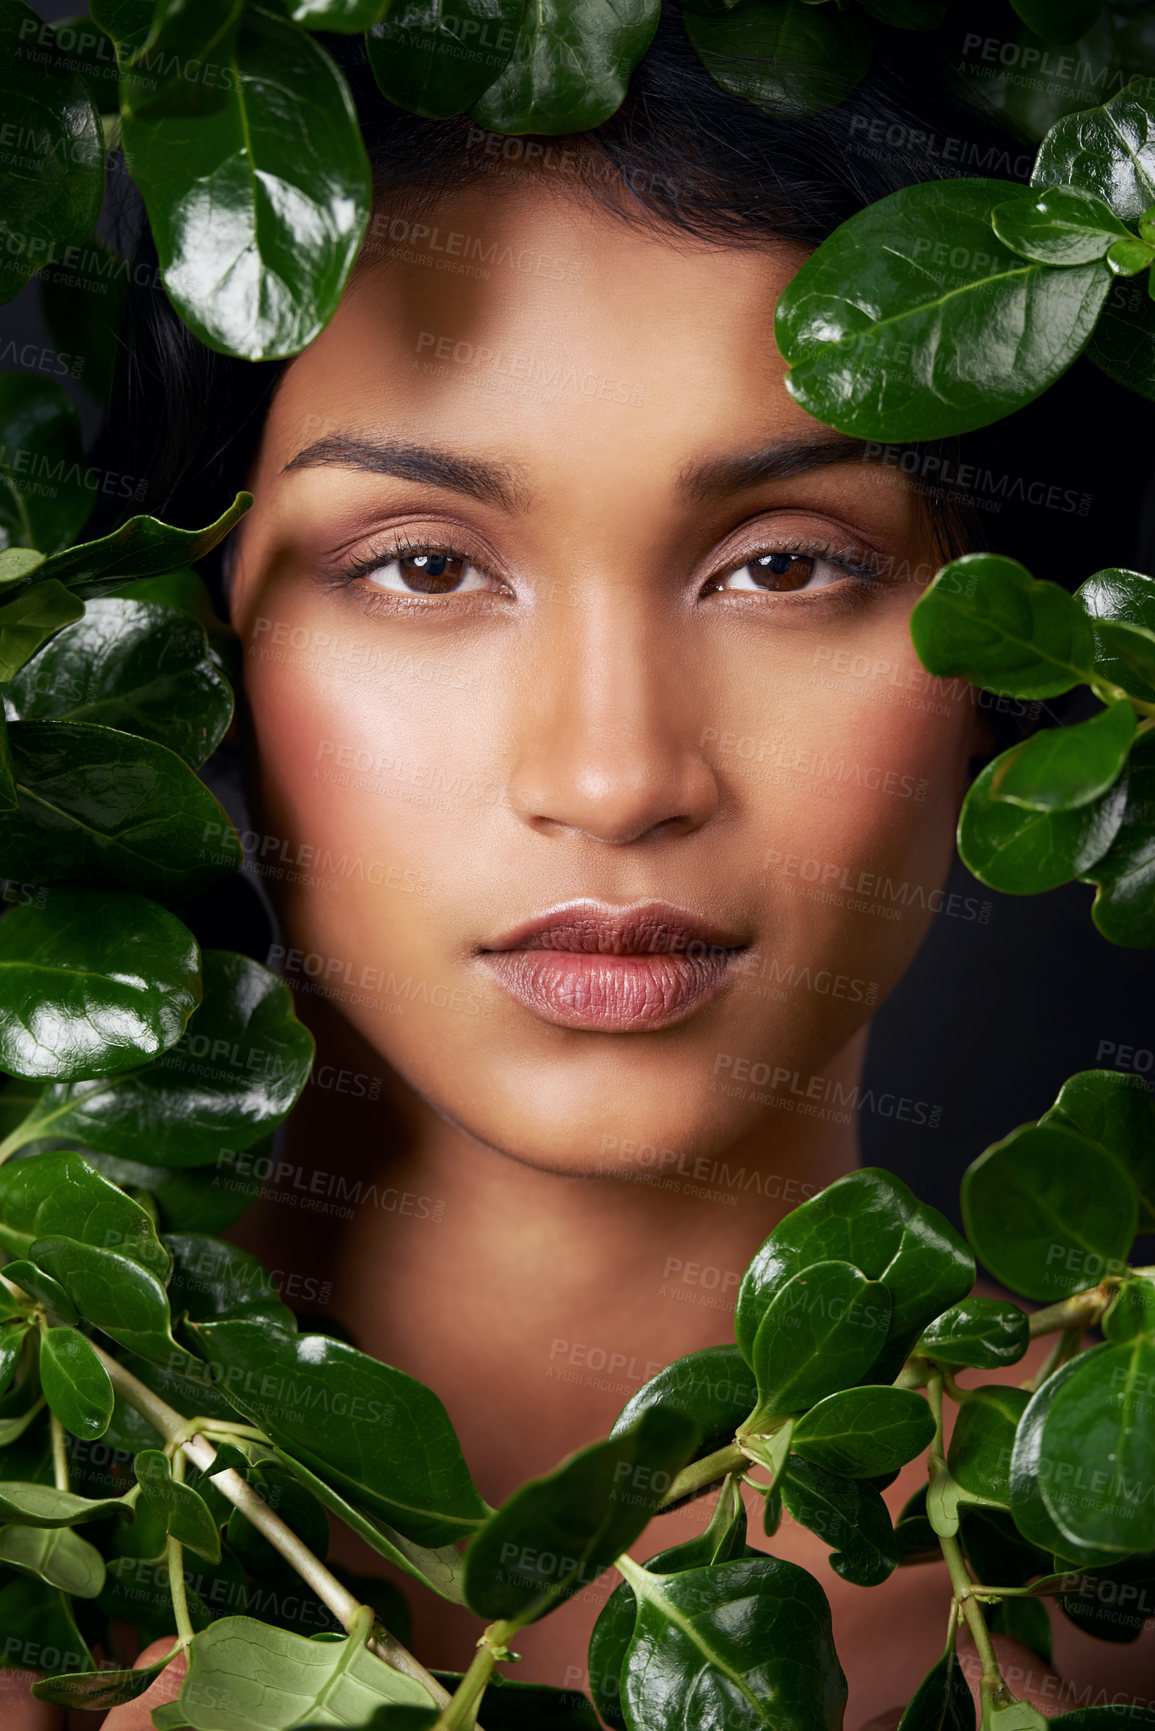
614	970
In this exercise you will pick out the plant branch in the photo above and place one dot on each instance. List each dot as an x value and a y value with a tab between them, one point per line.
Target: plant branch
174	1428
461	1713
59	1453
1081	1311
963	1588
699	1475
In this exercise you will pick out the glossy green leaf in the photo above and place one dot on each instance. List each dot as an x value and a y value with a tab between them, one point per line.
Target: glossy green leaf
99	1690
569	66
52	183
987	619
1024	1620
713	1386
60	1558
942	1701
1124	875
184	65
134	665
788	56
1114	597
848	1515
297	1507
248	1676
258	208
45	497
1023	852
1108	152
189	593
39	1628
60	1195
82	299
1065	768
742	1644
347	16
1131	649
92	982
75	1384
1031	1462
436	57
17	566
557	1533
982	1332
913	321
995	1548
112	809
1112	1604
203	1199
213	1280
12	1338
182	1512
1128	257
35	1505
118	1295
374	1433
1049	1212
981	1444
863	1432
870	1219
1123	342
1097	1463
29	619
234	1075
1062	226
142	547
822	1330
1116	1113
136	1590
42	1288
1132	1311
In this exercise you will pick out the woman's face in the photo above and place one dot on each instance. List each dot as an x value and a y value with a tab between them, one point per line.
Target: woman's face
600	786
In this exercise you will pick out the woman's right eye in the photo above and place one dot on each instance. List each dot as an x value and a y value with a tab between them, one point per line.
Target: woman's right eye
425	573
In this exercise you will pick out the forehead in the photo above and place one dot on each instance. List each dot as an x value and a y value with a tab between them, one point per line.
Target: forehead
529	320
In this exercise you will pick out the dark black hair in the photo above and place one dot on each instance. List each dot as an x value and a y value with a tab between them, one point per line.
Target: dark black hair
1056	485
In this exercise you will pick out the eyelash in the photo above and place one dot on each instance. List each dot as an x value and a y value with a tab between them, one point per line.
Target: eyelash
863	569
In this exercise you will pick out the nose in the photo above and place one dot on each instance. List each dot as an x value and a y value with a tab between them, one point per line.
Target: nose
607	745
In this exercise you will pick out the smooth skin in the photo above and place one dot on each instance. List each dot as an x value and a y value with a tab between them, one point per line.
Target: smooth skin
612	699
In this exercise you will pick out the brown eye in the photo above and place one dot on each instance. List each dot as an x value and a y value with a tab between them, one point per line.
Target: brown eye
417	573
783	571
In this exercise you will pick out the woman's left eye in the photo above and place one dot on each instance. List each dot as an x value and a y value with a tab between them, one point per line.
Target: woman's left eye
428	573
783	573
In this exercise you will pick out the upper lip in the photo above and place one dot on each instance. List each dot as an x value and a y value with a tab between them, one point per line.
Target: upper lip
599	928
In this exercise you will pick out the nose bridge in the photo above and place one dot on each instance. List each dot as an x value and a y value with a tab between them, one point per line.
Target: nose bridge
611	750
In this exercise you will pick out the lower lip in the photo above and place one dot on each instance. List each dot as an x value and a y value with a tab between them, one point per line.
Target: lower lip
610	994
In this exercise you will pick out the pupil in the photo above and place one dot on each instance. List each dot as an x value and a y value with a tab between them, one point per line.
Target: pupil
797	566
432	564
778	563
431	573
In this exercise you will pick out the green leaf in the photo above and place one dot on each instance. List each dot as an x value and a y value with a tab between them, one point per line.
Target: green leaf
112	809
981	1332
297	1507
134	665
183	65
1097	1463
1049	1212
557	1533
259	207
1108	152
76	1385
247	1676
17	565
60	1195
907	14
1024	1620
942	1701
29	619
1114	597
36	1505
913	321
234	1075
43	1289
37	1621
1132	1311
987	619
348	16
82	300
378	1435
12	1338
212	1281
100	1690
1112	1604
995	1548
142	547
206	1199
1131	649
1128	257
1030	1463
44	496
863	1432
742	1644
1062	226
1059	20
92	983
1117	1114
1065	768
569	66
436	57
1124	905
181	1510
822	1330
713	1386
50	189
117	1295
870	1219
981	1444
59	1557
1123	342
789	56
1023	852
848	1515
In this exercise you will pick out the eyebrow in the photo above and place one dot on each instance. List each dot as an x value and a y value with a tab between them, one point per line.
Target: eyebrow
503	484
